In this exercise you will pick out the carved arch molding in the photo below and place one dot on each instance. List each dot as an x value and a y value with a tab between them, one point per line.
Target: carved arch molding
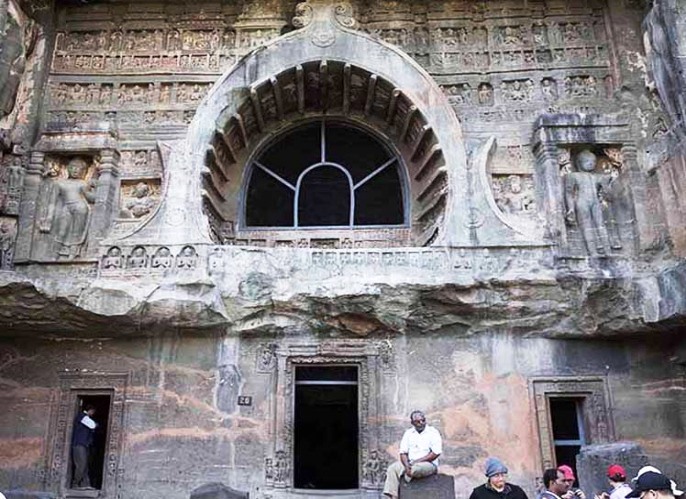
338	91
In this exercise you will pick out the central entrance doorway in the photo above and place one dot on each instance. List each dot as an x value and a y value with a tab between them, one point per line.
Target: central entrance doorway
326	427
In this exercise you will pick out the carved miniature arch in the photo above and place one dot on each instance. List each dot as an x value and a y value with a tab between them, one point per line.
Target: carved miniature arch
334	91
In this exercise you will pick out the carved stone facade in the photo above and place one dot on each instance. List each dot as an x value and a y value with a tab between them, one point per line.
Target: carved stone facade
538	154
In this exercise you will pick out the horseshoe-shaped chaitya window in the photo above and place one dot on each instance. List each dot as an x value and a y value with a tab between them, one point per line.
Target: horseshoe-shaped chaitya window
325	173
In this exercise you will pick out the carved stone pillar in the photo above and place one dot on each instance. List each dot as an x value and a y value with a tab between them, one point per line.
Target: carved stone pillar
27	208
106	194
650	218
549	189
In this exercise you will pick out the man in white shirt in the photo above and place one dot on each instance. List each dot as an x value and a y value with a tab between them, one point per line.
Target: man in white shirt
419	450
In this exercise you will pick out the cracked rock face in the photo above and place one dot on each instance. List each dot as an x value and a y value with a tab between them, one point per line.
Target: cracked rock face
282	300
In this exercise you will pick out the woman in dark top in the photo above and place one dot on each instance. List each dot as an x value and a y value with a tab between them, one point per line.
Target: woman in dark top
496	486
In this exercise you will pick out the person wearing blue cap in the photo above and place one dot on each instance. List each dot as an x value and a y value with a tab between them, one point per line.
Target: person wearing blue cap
496	486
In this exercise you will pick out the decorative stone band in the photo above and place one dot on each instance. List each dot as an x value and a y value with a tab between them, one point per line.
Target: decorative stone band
388	264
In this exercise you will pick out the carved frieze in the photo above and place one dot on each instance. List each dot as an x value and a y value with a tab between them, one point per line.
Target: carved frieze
514	194
125	95
581	86
267	357
11	183
138	198
374	468
517	91
215	260
8	234
140	163
143	50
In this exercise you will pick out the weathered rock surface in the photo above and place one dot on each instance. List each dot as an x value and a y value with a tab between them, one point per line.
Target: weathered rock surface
217	491
27	494
593	461
554	303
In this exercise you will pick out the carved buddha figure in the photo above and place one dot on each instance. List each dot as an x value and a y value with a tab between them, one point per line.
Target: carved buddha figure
584	192
187	258
66	213
113	260
162	259
138	258
513	198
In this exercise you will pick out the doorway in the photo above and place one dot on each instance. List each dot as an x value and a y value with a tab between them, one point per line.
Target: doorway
96	453
566	415
326	428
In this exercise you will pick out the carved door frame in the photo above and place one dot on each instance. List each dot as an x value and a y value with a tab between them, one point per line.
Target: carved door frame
368	357
596	409
71	385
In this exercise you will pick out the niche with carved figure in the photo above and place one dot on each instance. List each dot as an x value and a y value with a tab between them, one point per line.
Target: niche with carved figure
597	210
66	199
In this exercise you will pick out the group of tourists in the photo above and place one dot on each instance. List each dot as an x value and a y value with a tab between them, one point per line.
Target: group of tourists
422	445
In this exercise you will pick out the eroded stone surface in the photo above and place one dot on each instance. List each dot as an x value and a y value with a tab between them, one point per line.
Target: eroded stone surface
147	285
217	491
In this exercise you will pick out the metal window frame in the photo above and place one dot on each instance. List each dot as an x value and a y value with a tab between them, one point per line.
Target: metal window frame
393	158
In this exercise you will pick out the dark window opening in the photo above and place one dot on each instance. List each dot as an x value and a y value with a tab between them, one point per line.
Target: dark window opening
92	477
326	428
568	429
325	175
324	198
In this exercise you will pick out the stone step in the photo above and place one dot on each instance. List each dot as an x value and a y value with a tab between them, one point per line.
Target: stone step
433	487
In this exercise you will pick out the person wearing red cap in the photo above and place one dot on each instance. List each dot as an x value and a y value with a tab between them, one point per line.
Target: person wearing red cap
555	484
616	475
569	477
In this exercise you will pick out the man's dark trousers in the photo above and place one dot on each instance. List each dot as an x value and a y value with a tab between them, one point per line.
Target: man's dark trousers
80	457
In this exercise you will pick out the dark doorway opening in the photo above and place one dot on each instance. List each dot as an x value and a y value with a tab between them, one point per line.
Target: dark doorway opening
566	414
96	452
326	428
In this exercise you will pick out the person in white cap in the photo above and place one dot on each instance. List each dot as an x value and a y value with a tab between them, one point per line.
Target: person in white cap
676	492
652	485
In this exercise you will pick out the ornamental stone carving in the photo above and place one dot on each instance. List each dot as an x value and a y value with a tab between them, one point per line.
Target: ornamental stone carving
68	193
587	199
8	233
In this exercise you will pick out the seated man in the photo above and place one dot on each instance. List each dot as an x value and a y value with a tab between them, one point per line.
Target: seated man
419	450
